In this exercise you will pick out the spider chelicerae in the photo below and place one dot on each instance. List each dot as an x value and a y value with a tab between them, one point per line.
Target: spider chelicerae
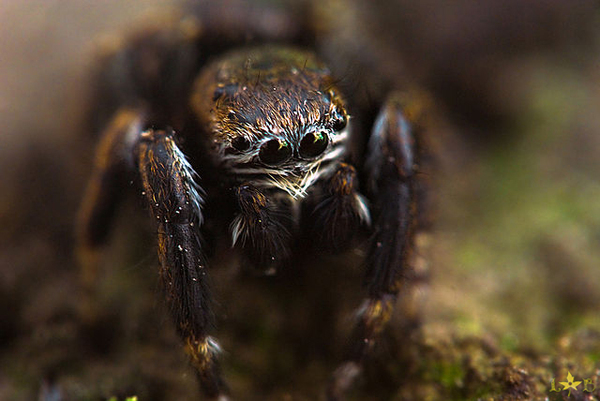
264	131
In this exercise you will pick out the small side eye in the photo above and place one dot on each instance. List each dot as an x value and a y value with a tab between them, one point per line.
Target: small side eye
240	143
339	121
274	152
313	144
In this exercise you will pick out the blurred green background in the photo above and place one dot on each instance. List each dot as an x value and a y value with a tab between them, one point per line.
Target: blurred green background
513	298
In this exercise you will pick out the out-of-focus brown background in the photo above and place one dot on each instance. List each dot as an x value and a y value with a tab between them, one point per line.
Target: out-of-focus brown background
514	295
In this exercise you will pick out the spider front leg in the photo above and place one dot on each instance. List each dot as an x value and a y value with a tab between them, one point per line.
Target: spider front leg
175	202
261	227
391	167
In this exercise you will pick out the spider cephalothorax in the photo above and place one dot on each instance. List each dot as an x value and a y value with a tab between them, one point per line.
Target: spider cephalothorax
274	117
270	129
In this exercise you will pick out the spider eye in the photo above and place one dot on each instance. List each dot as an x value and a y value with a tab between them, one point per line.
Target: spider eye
339	122
274	152
313	144
240	143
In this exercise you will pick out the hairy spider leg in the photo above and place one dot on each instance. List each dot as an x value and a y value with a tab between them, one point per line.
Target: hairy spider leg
175	202
112	165
391	167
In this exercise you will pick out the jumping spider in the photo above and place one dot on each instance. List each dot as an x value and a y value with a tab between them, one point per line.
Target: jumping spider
264	131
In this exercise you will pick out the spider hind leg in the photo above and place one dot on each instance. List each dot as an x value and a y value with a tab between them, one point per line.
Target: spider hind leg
113	168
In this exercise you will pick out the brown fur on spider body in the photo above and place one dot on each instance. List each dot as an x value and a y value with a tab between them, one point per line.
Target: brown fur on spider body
264	131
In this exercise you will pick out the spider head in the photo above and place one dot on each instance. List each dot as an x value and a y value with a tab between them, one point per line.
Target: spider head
273	117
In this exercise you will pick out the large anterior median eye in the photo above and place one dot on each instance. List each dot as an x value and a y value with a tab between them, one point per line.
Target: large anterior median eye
313	144
274	152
